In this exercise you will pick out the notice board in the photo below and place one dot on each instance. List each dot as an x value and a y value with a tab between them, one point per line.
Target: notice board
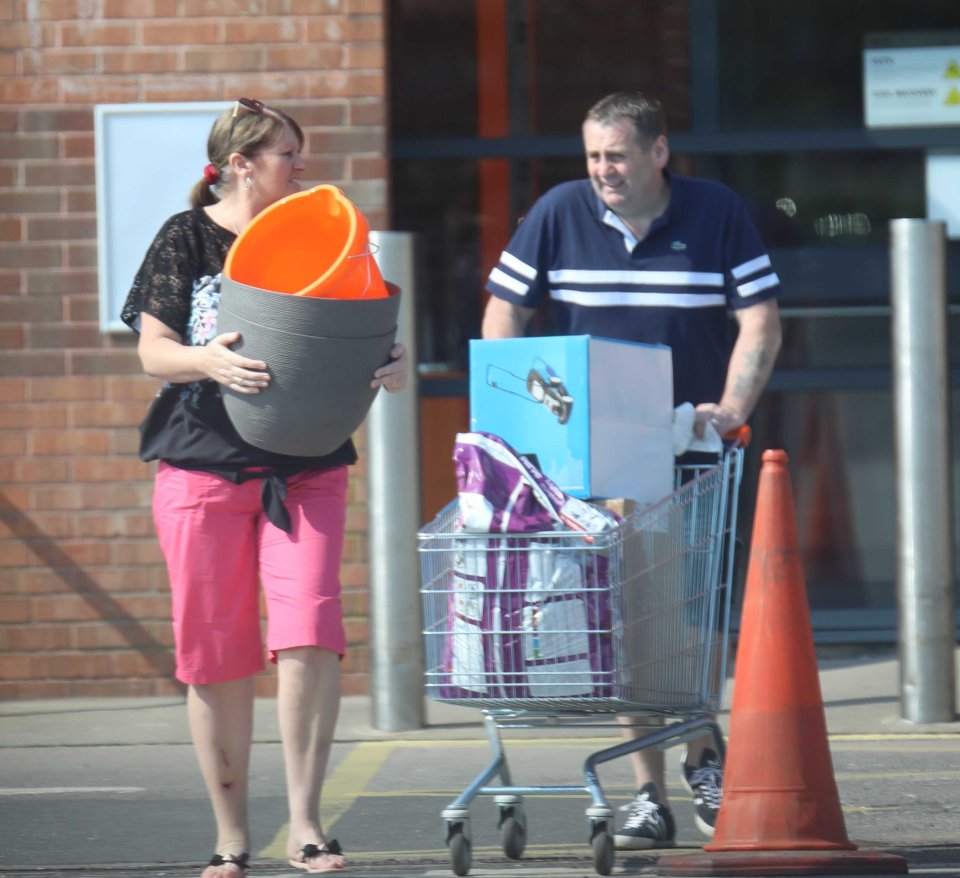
148	158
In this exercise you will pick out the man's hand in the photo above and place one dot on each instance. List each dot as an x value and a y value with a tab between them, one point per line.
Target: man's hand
723	420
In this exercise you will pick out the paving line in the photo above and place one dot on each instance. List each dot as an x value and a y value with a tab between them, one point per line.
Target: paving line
571	741
341	789
62	791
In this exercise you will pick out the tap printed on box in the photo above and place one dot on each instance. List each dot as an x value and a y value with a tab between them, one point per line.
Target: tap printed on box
596	414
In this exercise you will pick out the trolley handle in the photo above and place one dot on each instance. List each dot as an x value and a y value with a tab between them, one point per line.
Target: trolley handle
739	437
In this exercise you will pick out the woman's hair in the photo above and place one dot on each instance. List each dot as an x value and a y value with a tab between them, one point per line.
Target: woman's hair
245	130
643	113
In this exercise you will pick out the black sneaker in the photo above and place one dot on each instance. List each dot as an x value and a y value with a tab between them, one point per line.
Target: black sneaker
648	825
705	782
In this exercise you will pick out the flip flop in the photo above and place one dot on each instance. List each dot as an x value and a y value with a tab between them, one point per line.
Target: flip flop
241	861
309	851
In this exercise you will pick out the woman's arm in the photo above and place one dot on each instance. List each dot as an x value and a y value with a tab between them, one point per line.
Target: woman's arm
164	355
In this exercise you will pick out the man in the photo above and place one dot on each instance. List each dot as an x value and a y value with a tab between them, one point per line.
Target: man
638	253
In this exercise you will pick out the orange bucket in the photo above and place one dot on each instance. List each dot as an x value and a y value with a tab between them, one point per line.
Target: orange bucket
313	243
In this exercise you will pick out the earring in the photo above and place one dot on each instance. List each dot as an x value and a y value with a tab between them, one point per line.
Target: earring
247	182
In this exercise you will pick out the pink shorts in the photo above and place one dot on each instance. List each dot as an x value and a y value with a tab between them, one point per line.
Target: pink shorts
218	544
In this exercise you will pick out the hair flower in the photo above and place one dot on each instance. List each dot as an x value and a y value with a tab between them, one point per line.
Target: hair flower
211	174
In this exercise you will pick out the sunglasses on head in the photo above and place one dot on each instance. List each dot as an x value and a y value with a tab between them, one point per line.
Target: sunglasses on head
251	105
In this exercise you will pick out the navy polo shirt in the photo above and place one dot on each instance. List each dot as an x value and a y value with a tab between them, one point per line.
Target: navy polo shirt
702	257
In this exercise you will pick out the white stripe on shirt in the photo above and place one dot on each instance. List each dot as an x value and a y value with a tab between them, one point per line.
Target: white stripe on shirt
758	285
663	278
509	283
508	260
601	298
751	267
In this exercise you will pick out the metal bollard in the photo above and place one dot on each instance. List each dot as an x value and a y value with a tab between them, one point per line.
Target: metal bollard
396	646
925	580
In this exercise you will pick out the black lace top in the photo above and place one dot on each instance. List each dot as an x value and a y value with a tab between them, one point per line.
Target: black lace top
187	424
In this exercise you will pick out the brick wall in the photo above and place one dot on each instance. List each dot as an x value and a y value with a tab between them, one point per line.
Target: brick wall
83	596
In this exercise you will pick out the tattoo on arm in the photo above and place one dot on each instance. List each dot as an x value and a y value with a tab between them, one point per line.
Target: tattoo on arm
750	380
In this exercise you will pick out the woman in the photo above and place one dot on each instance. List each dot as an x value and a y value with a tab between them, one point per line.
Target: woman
228	514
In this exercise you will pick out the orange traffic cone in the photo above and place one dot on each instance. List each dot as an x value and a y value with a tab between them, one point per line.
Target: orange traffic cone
780	813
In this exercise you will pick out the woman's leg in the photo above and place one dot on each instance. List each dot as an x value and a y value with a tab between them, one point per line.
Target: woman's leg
221	723
308	702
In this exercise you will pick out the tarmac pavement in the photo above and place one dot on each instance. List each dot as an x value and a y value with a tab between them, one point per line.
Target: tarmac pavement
109	787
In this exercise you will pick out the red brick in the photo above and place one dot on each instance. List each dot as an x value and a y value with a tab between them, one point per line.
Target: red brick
60	62
68	665
14	609
321	56
363	56
35	90
117	635
27	416
145	9
104	363
12	389
28	147
11	283
28	255
140	388
80	255
32	363
35	689
355	602
12	444
336	83
12	337
263	30
357	630
66	389
32	581
193	34
355	684
220	59
35	638
70	552
160	89
142	664
107	414
97	33
61	283
368	167
25	202
82	309
63	336
16	667
79	200
136	551
131	60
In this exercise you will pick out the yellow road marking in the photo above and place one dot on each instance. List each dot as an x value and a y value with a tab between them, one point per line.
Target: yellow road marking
364	760
341	789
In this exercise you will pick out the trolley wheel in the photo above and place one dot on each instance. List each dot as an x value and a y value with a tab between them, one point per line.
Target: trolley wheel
602	844
458	843
513	831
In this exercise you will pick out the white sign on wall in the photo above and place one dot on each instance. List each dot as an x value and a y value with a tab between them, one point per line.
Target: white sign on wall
148	158
911	86
943	190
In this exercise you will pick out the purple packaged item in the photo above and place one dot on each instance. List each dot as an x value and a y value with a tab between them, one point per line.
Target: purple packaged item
529	617
501	491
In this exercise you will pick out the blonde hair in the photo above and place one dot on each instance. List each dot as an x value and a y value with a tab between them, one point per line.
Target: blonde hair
243	130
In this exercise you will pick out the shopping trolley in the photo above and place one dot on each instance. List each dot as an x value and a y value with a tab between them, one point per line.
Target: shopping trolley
572	628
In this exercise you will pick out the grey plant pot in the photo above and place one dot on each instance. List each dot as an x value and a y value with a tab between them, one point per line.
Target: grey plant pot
321	354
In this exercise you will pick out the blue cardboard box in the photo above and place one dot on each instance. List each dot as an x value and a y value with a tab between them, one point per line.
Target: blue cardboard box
596	413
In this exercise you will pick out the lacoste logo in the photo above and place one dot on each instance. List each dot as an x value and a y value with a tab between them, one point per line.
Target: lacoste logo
677	246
